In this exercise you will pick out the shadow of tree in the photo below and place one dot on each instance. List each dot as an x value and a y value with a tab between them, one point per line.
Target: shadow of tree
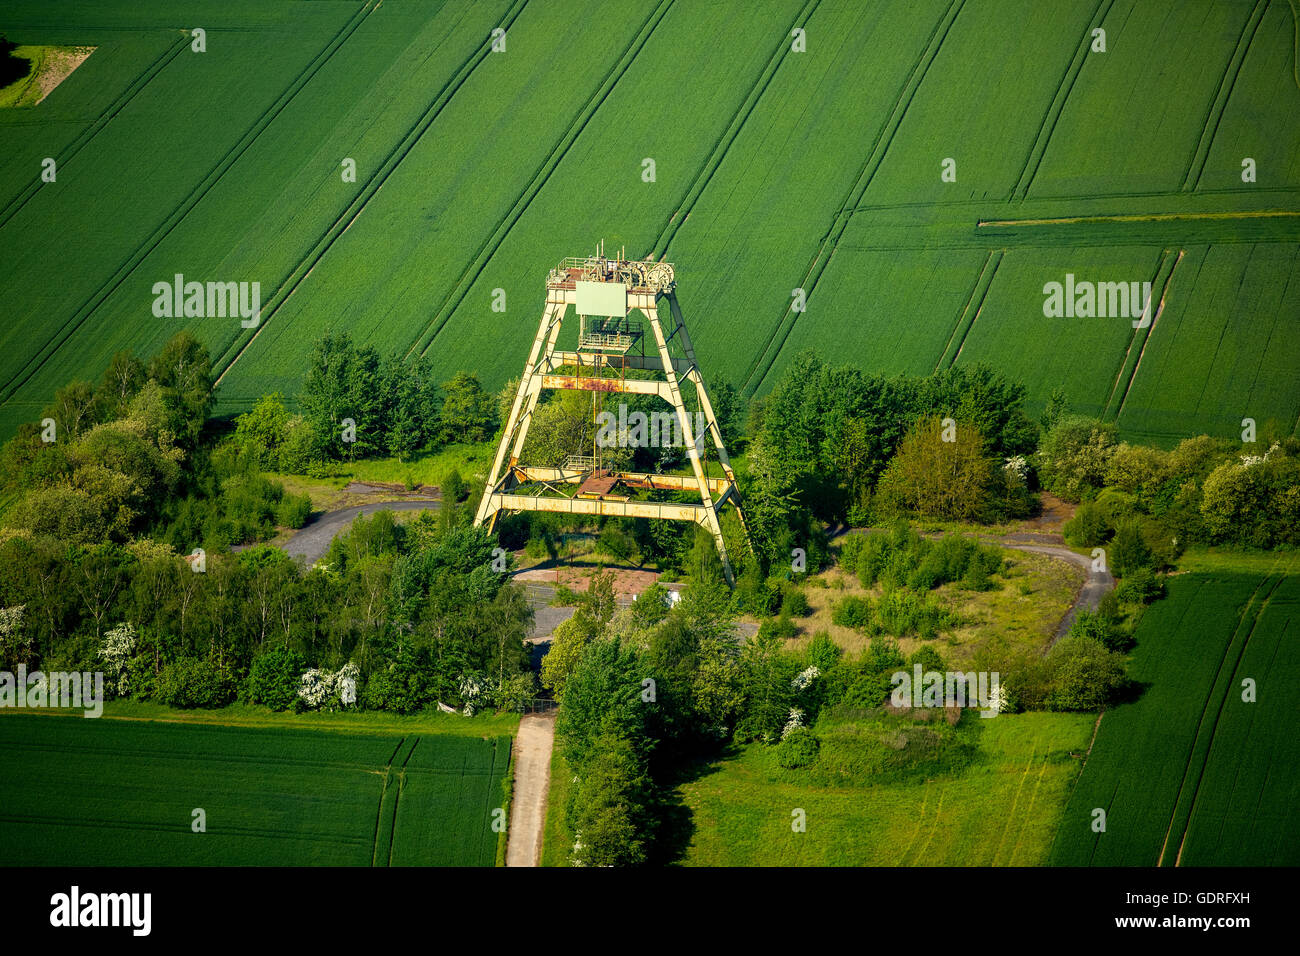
12	68
676	822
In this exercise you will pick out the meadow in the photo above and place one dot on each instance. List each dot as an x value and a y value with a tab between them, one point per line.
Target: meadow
123	791
774	169
1002	809
1192	773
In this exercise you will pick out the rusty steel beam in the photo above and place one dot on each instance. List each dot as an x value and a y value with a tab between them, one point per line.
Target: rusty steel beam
652	481
661	510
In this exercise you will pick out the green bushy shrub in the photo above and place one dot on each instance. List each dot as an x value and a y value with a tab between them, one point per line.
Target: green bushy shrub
192	682
274	678
798	749
854	612
293	510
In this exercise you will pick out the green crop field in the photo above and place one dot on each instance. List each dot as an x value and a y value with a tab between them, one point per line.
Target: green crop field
1002	810
774	169
123	792
1192	773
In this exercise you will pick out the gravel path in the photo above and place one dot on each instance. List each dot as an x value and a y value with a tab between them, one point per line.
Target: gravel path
532	780
1094	587
312	540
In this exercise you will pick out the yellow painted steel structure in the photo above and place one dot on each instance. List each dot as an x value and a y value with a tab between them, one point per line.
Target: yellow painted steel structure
644	284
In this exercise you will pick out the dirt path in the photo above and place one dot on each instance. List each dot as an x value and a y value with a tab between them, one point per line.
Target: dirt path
532	781
1095	585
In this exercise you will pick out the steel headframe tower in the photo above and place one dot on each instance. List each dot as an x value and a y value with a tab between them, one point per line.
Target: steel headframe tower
604	292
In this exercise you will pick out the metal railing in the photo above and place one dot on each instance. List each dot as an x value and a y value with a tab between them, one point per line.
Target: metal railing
539	706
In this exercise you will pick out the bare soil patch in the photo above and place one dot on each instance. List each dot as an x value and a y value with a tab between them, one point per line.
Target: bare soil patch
51	65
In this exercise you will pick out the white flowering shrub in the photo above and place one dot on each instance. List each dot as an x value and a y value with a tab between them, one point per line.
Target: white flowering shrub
1018	466
312	690
793	723
471	691
1000	701
331	691
1249	460
115	652
11	629
803	680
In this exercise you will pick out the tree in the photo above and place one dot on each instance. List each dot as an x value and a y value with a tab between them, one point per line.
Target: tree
932	476
183	370
468	412
561	426
12	68
15	640
1128	549
567	645
73	410
765	673
610	818
1088	528
260	433
100	573
410	405
729	410
1085	675
602	695
275	677
1135	468
771	504
1074	456
342	383
123	378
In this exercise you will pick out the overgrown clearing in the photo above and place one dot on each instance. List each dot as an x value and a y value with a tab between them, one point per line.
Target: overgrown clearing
1192	774
1019	613
123	792
774	170
1001	809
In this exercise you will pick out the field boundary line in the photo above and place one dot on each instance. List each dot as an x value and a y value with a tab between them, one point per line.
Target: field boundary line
839	222
96	126
1055	109
1290	191
186	205
1246	622
361	199
1219	105
934	826
494	240
1295	52
147	826
1139	218
730	133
